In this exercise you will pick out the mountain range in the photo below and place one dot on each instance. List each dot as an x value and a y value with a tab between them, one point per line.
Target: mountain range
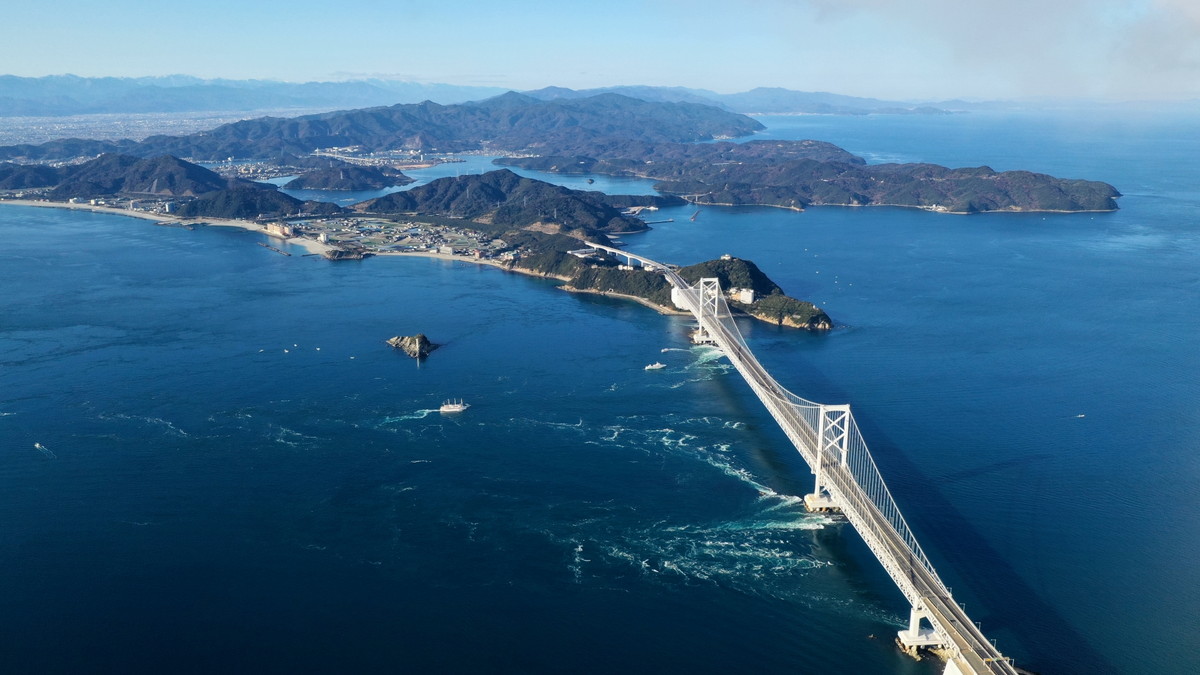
73	95
508	123
57	95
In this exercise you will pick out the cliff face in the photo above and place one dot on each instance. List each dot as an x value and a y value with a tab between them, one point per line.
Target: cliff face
417	346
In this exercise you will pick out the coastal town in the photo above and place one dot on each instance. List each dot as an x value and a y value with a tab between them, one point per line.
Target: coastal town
339	237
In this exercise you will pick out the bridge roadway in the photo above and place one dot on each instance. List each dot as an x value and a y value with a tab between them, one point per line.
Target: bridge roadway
869	507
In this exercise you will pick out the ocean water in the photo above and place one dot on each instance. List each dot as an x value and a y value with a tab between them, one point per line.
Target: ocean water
212	461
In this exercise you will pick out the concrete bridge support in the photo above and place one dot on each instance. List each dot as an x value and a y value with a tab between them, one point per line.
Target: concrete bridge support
917	636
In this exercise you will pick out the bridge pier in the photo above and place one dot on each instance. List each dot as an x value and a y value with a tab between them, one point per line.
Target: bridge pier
918	637
819	501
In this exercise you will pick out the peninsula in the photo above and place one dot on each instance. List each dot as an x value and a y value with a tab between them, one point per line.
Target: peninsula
800	174
498	218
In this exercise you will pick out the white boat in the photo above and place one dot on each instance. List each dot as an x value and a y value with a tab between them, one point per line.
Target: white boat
656	366
452	405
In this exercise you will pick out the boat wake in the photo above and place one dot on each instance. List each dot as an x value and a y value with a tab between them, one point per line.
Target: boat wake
415	415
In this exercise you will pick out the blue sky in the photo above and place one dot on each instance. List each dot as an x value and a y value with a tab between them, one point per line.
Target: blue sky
903	49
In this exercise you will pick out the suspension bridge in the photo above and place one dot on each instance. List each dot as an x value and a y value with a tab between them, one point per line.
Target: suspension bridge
848	481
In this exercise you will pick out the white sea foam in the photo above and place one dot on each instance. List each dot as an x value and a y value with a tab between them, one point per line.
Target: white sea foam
415	415
758	555
152	421
577	561
742	554
707	354
291	437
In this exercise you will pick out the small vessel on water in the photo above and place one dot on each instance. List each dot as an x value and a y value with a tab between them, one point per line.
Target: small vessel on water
656	366
454	405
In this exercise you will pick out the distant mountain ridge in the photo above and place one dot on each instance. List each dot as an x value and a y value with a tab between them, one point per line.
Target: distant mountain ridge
508	123
56	95
758	100
59	95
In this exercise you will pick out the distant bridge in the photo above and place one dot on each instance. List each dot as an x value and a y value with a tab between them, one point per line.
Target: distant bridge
847	480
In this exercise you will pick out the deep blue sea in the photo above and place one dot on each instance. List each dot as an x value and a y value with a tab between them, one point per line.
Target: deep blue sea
210	461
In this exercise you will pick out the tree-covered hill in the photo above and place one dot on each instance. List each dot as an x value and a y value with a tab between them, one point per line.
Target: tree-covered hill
249	203
512	122
162	176
606	276
23	176
347	177
799	174
504	199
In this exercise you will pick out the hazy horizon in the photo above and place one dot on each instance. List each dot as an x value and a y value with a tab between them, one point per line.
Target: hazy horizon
1107	50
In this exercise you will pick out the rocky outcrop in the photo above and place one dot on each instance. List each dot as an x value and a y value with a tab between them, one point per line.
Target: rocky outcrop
417	346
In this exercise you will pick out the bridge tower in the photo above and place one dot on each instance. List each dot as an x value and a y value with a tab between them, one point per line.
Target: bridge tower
710	306
833	435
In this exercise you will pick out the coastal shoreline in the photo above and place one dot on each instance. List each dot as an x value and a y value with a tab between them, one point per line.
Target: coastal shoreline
315	247
310	245
641	301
